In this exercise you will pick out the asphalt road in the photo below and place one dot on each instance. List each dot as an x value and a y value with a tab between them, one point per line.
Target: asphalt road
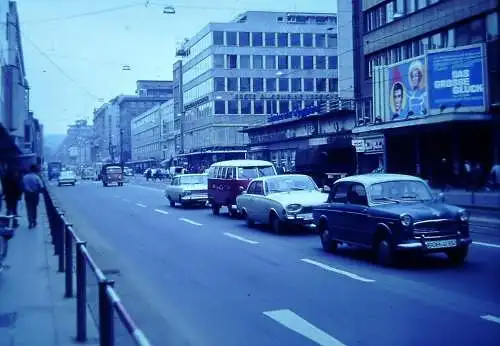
190	278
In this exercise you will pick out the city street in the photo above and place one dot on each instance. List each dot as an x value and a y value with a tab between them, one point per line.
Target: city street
190	278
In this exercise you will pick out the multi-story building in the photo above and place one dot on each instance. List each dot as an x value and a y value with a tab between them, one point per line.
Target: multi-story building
154	88
178	107
261	63
426	77
106	133
169	133
146	135
75	150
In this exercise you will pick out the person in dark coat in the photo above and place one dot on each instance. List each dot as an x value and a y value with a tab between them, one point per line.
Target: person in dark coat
12	190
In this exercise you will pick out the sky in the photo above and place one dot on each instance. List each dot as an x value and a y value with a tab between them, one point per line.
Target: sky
74	50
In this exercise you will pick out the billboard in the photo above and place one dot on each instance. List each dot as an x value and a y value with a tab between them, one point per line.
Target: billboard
457	79
407	88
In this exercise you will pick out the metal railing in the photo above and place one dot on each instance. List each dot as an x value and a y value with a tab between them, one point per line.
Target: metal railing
67	244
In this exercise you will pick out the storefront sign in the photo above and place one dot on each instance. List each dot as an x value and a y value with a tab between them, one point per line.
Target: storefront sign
299	113
285	96
374	145
359	144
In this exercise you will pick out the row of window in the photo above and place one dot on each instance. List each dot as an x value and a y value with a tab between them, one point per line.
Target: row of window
198	91
140	122
198	69
392	10
473	31
146	149
274	39
247	84
260	106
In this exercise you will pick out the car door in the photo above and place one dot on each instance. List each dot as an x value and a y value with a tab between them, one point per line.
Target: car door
335	210
259	203
174	189
357	228
246	200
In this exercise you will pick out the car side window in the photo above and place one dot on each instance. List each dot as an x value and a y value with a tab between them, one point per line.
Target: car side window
231	173
357	195
251	188
259	188
339	193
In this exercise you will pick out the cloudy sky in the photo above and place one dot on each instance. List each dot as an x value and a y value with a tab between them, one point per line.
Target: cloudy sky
74	50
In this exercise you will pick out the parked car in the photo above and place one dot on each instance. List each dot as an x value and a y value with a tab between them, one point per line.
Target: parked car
391	214
111	174
67	178
281	201
188	189
128	172
228	179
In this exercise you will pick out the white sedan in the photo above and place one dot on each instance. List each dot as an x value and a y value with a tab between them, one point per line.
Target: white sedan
281	200
188	189
67	178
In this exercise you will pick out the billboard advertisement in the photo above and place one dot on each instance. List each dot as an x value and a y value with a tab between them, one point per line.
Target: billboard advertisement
407	95
457	79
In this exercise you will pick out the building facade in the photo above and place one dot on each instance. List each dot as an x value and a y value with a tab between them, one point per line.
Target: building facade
169	133
154	88
75	150
106	133
146	135
234	76
426	77
178	107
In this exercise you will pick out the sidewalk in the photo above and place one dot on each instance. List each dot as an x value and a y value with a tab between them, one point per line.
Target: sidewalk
33	310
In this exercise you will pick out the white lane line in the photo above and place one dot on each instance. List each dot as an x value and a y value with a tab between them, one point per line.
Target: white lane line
491	318
190	221
141	205
299	325
338	271
234	236
486	244
161	211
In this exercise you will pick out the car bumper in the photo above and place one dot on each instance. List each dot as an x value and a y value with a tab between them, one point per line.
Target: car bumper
62	182
195	199
305	220
424	245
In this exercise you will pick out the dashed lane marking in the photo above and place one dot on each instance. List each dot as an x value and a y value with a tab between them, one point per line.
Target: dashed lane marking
491	318
338	271
243	239
141	205
161	211
190	221
486	244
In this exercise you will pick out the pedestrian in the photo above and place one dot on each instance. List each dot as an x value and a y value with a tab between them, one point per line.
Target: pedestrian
12	190
32	186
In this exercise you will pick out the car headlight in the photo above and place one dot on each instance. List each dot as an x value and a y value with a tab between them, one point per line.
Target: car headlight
293	208
464	215
406	220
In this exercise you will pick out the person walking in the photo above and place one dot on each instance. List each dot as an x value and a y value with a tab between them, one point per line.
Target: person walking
12	191
32	186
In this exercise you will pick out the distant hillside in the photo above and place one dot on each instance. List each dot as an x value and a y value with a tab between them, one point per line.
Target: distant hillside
53	141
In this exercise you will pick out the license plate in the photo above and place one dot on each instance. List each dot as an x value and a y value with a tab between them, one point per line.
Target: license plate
438	244
307	216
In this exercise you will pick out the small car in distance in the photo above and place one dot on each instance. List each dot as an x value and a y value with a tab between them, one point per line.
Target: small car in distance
391	214
67	178
188	189
111	174
281	201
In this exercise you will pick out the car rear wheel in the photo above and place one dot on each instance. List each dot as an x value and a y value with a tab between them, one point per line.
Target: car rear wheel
458	256
329	245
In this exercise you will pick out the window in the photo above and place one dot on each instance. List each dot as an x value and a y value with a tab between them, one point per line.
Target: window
244	39
308	40
271	107
258	107
270	62
421	4
320	84
270	84
333	85
232	84
332	62
244	84
296	62
492	26
471	32
357	195
339	193
282	39
218	38
308	63
283	62
296	84
220	84
320	63
320	40
410	6
295	40
284	106
232	107
246	107
232	61
331	41
257	39
283	84
308	84
258	84
218	61
296	104
220	107
251	188
231	38
270	39
244	61
257	62
259	188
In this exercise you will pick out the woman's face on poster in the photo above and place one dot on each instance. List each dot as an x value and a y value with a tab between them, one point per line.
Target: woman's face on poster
416	78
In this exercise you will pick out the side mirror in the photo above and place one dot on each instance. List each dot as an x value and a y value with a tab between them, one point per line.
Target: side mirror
440	197
242	190
325	189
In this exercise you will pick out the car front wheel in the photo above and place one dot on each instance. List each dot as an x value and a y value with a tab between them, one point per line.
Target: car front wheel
327	243
385	252
172	203
250	223
458	256
215	208
276	224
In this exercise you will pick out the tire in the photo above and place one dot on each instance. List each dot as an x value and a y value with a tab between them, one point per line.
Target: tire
385	254
215	208
458	256
233	213
4	245
172	203
250	223
327	243
276	224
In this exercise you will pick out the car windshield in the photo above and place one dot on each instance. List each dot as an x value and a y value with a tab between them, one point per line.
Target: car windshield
285	183
399	191
114	169
193	179
255	172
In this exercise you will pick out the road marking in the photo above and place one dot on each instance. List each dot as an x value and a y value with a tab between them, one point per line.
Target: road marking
486	244
234	236
145	187
299	325
141	205
190	221
161	211
491	318
338	271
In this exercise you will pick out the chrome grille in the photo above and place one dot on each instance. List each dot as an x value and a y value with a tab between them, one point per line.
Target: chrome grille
436	227
199	192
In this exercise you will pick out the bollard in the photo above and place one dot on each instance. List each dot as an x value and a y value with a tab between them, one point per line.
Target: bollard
81	293
60	244
68	265
106	322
